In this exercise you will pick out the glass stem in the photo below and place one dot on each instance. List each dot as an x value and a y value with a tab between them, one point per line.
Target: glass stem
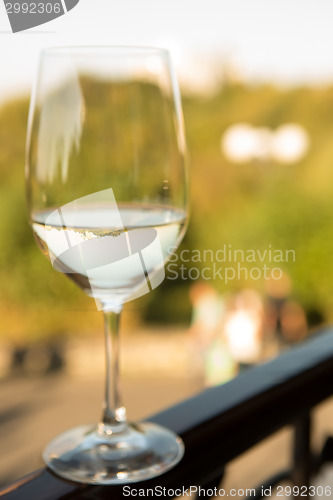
114	413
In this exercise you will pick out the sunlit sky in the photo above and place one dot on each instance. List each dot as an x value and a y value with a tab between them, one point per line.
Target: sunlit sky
288	41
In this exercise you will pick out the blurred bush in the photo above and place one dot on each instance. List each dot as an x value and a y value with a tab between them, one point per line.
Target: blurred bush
255	205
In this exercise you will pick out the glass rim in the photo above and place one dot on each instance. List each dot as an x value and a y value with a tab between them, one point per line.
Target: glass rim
106	50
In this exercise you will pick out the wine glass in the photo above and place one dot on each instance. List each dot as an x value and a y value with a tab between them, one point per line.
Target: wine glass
107	195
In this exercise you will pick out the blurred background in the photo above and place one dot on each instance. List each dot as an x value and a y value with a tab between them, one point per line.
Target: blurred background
253	275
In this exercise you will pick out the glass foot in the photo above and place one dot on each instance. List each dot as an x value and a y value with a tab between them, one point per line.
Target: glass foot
137	452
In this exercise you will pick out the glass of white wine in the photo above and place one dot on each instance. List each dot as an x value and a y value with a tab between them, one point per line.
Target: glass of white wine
107	192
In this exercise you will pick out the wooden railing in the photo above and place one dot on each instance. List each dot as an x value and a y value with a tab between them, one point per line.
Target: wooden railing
223	422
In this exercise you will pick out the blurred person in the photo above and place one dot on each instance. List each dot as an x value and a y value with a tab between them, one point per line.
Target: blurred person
209	351
220	365
293	321
243	328
277	294
286	317
207	309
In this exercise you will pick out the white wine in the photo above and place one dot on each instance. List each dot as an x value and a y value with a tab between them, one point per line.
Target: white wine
113	253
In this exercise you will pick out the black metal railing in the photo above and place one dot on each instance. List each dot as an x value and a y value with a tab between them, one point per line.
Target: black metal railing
223	422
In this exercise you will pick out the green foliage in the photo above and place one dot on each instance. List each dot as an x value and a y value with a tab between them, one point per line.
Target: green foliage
255	205
249	206
265	205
